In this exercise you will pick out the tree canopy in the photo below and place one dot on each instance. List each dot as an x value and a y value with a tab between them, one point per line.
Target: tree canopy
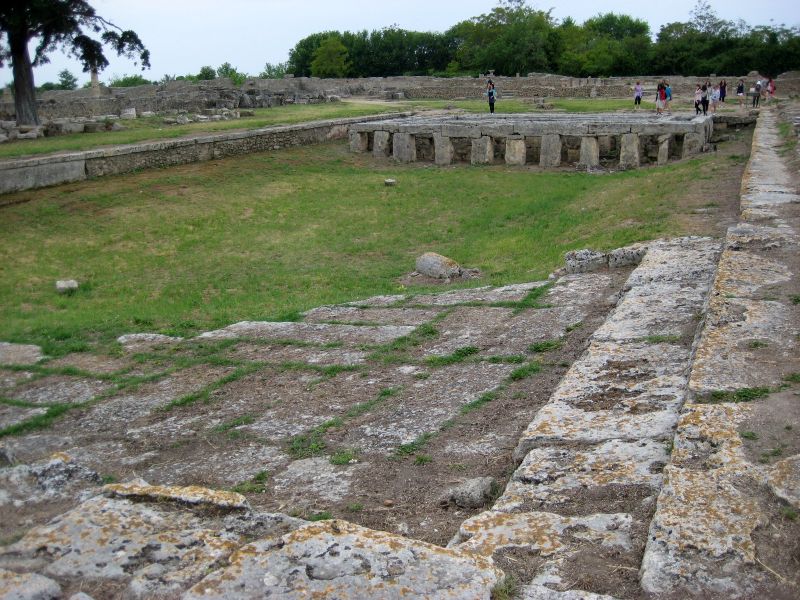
58	24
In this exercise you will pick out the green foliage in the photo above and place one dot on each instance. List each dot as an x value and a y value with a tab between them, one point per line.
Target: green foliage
422	459
458	356
309	444
274	71
740	395
484	398
414	446
67	81
545	346
506	589
355	507
330	59
343	457
524	372
321	516
749	435
229	71
127	81
256	485
206	73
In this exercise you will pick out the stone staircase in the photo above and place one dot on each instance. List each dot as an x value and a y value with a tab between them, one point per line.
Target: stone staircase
665	464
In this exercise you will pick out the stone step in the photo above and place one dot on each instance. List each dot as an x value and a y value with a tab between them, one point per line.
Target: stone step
592	458
721	527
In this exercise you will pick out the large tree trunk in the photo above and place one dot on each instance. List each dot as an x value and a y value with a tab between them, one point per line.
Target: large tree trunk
24	88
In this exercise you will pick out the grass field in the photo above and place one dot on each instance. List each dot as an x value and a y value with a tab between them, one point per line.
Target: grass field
190	248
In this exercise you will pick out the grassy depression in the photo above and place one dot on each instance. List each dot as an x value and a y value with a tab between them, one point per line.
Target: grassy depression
199	246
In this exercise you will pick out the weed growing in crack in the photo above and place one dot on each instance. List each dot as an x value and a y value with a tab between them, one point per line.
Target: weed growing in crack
509	359
756	344
256	485
484	398
662	339
787	512
355	507
344	457
545	346
740	395
306	445
458	356
320	516
524	372
748	435
415	446
506	589
422	459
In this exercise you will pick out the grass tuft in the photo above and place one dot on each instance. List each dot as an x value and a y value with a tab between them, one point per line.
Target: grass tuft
740	395
545	346
458	356
525	372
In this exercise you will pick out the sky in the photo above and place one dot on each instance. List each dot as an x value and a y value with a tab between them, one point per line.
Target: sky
184	35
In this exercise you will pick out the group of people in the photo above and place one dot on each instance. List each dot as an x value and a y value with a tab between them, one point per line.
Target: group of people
706	95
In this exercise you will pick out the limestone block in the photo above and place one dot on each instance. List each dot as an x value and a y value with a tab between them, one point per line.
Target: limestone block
337	559
138	341
482	151
437	266
19	354
128	113
94	127
404	148
515	151
27	586
381	144
663	149
692	144
581	261
629	151
442	149
320	333
70	127
187	495
784	480
358	141
590	152
471	494
3	138
550	152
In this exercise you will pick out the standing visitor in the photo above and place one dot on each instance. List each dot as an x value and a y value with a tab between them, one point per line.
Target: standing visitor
757	94
740	93
704	92
698	96
660	96
637	95
492	94
714	99
770	90
723	90
667	96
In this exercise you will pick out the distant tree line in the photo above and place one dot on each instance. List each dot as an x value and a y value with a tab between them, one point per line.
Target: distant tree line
515	38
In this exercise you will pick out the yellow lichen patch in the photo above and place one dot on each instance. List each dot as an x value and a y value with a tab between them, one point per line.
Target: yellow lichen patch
62	456
190	494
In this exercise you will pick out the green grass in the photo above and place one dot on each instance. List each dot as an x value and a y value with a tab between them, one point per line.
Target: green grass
200	246
343	457
740	395
153	128
481	400
414	446
545	346
525	371
309	444
460	355
662	339
256	485
321	516
422	459
749	435
42	421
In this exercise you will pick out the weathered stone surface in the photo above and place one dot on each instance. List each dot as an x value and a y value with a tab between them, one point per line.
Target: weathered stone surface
692	144
550	150
629	151
336	559
127	113
59	389
57	477
27	586
590	153
138	341
663	149
358	141
188	494
19	354
12	415
626	256
310	481
282	353
482	151
381	144
404	147
784	480
66	286
540	592
515	152
582	261
508	293
310	332
382	316
437	266
474	493
442	149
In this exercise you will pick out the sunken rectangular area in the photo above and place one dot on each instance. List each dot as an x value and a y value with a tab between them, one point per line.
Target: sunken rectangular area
626	140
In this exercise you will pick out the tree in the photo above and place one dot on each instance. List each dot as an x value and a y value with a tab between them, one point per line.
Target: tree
127	81
229	71
274	71
67	81
57	24
330	59
206	74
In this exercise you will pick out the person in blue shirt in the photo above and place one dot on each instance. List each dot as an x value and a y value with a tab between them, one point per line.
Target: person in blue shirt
492	95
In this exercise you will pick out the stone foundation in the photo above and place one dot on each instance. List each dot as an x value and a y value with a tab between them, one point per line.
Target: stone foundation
624	141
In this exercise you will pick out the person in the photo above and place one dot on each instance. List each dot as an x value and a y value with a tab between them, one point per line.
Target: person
704	91
492	94
740	93
714	99
637	95
660	97
698	97
757	94
667	96
723	90
770	90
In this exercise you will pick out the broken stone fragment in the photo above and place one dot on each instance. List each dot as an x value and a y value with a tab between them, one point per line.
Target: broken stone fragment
192	494
136	341
66	286
27	586
474	493
437	266
582	261
19	354
784	480
390	182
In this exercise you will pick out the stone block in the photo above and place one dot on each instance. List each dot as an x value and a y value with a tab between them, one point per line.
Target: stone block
482	151
663	149
590	152
381	144
127	113
437	266
66	286
72	127
358	141
692	144
629	151
442	149
404	147
515	151
550	152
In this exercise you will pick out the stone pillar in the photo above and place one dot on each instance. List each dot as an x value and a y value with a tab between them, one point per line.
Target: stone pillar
95	84
359	141
515	150
629	151
482	150
404	147
380	144
442	149
550	152
692	144
590	152
663	149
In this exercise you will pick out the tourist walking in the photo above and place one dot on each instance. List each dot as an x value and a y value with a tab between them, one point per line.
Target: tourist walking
757	94
491	93
698	97
714	99
661	96
723	90
667	96
740	93
770	90
637	95
704	92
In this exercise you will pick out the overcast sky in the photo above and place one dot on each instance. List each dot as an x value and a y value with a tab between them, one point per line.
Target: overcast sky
184	35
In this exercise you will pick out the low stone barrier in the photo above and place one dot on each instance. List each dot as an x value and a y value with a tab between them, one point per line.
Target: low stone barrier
30	173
